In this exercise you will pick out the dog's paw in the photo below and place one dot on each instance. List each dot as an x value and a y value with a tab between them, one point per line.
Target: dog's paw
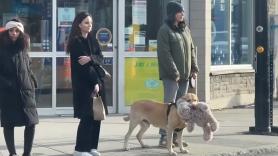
185	151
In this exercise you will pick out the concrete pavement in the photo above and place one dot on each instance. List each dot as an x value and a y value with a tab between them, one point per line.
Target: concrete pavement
55	136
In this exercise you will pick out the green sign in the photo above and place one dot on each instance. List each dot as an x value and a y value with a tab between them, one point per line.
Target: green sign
142	80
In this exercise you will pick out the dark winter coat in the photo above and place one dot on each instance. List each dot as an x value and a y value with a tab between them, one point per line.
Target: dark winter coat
176	53
17	88
84	77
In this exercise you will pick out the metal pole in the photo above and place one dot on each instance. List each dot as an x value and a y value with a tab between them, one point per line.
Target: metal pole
262	85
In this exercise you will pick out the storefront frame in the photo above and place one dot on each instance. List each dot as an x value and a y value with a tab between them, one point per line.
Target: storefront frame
119	56
54	55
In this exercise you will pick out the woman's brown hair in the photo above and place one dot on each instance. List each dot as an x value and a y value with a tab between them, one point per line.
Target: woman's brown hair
22	42
75	30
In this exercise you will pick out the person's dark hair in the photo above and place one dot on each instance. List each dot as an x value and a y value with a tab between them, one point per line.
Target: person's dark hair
22	42
75	30
172	9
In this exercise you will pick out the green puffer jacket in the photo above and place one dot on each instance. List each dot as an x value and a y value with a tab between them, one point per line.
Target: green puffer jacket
176	54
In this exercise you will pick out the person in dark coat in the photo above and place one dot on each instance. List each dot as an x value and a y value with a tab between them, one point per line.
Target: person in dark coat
17	86
176	58
85	55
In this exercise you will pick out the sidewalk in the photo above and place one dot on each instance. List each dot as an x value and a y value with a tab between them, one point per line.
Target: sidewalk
55	136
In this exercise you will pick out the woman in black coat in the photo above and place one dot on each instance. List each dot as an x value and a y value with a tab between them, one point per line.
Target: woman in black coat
85	55
17	86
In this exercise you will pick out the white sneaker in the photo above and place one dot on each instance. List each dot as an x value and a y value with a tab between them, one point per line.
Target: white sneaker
94	152
77	153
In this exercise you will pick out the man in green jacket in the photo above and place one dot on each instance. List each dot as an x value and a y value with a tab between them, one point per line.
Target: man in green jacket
176	57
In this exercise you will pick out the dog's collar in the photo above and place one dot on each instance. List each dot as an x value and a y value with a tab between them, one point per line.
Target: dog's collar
169	108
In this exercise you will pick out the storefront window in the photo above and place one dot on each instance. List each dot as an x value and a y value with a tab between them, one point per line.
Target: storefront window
108	65
141	83
142	21
63	81
231	32
240	32
42	68
101	10
37	18
220	39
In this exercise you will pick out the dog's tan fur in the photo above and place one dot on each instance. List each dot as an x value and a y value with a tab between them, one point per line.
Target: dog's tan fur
146	113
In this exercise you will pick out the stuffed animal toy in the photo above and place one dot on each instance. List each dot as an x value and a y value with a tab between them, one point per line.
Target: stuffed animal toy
200	114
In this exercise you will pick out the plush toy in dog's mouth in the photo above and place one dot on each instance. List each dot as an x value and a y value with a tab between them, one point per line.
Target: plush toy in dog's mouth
199	114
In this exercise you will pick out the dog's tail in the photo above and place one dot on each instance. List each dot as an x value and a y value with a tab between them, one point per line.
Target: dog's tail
126	118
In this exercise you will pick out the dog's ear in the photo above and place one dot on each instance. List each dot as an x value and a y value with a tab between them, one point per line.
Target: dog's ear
203	106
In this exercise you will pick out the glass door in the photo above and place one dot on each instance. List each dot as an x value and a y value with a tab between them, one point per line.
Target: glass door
36	17
138	66
103	12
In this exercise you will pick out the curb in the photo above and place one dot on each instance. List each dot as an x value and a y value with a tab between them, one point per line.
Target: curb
259	151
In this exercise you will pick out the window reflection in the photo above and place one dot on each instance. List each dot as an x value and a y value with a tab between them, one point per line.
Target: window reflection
42	68
231	40
140	26
241	32
37	18
101	10
64	90
220	18
108	83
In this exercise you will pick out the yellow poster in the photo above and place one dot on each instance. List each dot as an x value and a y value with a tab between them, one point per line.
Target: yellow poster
142	80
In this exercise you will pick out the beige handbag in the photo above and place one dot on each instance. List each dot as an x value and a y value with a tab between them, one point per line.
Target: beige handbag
98	108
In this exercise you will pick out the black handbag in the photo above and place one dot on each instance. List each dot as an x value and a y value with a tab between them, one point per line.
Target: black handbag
102	72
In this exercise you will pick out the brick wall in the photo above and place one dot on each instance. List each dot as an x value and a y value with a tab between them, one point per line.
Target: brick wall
232	89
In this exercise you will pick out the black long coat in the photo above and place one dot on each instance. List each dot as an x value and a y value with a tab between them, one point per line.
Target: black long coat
17	88
85	77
